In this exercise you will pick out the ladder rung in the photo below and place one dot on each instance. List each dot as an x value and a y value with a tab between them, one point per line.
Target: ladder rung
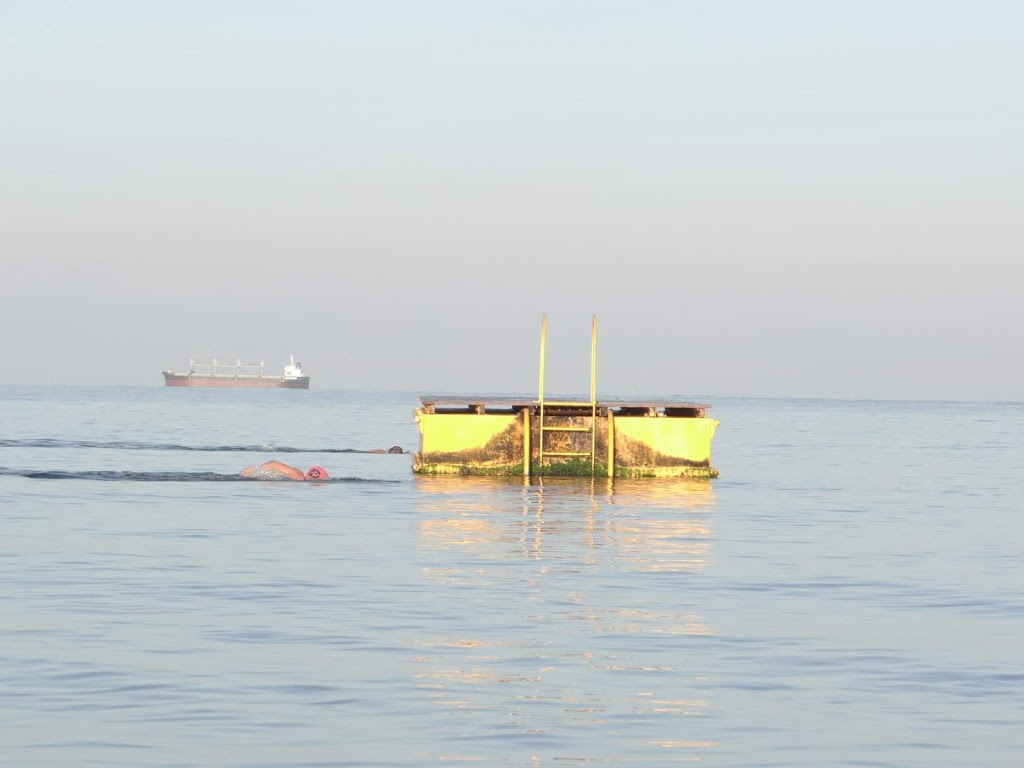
565	453
569	403
568	429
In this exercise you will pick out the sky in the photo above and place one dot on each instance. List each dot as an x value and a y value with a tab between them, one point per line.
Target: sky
785	199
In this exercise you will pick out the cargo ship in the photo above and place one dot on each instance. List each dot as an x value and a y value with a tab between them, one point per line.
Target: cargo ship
237	374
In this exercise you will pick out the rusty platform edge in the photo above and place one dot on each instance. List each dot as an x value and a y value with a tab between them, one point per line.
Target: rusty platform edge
521	402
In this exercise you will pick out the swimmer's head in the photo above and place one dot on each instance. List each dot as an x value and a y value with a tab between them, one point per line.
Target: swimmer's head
316	473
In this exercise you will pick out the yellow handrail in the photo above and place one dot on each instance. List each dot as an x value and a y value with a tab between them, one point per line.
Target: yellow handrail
593	359
540	394
543	335
593	392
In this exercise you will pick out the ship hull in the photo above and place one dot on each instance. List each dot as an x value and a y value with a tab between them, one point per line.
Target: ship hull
233	382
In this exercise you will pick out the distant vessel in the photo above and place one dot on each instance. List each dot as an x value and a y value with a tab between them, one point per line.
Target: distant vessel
237	374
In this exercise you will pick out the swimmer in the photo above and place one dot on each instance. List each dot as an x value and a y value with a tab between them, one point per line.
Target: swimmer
275	470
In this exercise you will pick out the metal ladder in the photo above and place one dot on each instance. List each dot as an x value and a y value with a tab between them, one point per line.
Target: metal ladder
544	428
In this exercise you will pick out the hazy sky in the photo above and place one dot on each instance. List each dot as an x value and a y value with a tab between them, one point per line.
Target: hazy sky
756	198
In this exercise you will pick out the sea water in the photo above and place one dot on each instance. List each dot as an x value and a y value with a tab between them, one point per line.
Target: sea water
849	591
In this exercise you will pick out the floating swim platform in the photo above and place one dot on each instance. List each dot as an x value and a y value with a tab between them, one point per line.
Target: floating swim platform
516	435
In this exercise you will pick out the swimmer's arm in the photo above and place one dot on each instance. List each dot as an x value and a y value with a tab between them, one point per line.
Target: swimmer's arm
290	472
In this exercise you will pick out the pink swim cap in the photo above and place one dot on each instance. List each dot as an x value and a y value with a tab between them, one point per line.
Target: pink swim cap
316	473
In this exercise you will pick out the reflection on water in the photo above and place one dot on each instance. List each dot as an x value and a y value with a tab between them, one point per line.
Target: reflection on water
657	524
595	618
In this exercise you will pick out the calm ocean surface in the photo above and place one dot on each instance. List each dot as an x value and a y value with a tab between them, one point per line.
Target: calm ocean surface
850	591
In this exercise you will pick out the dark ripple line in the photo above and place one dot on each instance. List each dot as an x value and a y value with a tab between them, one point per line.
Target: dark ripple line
139	446
177	477
91	745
